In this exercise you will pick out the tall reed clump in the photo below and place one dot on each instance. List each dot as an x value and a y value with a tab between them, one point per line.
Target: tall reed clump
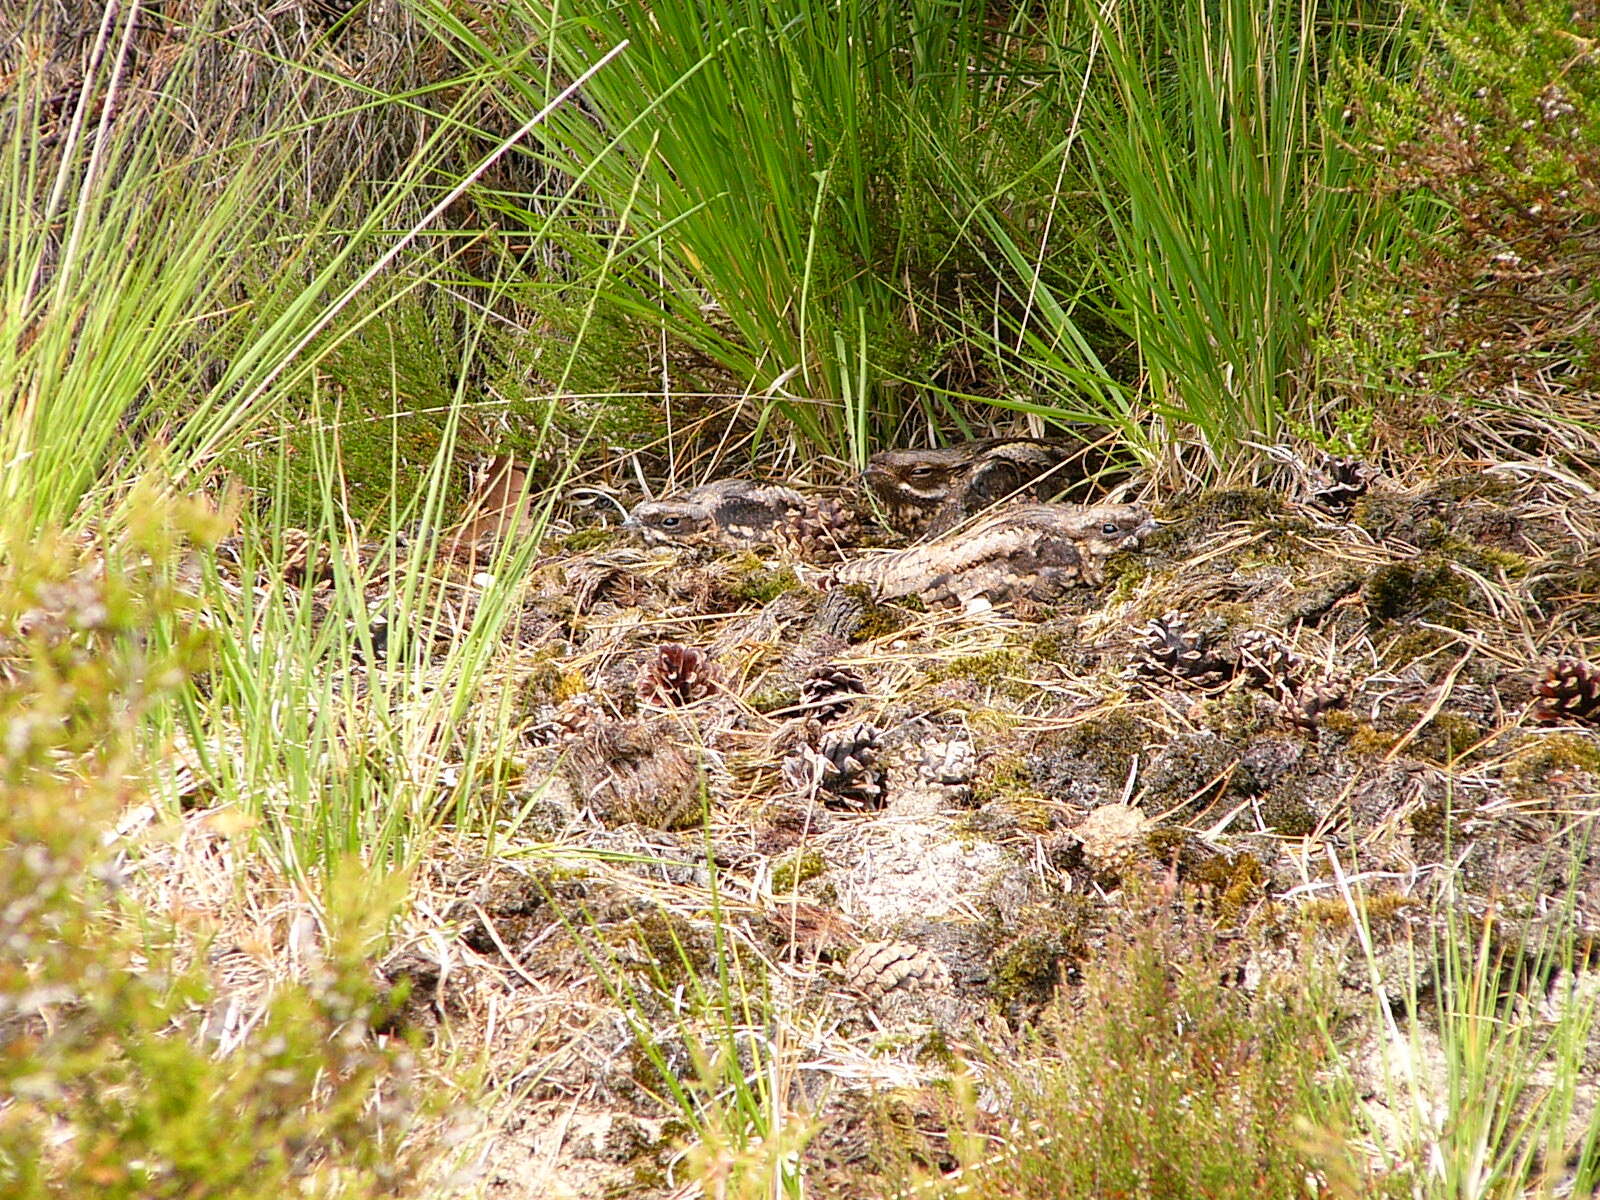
1478	1076
1101	213
1231	208
1194	215
738	181
160	274
711	1042
166	297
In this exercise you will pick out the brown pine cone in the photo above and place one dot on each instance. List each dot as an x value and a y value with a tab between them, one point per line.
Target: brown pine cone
829	691
1268	661
305	560
1172	650
1309	701
677	675
1569	691
877	968
852	773
1339	483
844	765
554	723
818	530
1113	837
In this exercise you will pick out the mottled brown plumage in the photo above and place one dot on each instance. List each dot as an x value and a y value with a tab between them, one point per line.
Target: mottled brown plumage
1031	551
737	514
925	492
635	772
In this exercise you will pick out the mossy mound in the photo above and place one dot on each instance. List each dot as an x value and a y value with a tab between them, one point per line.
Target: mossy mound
1041	951
1200	516
1403	591
1088	764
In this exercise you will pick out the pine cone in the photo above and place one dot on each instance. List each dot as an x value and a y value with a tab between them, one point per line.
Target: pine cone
830	690
818	530
230	550
553	724
1113	837
946	762
1268	661
844	765
877	968
1339	483
1569	691
1172	650
677	675
305	561
1305	704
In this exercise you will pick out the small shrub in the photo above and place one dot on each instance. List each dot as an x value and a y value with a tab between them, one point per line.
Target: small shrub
112	1087
1490	152
1155	1079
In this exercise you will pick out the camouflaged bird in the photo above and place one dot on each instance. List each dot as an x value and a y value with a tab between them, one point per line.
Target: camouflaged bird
1029	551
925	492
737	514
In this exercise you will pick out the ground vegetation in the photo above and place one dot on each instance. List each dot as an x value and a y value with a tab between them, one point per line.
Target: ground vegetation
381	818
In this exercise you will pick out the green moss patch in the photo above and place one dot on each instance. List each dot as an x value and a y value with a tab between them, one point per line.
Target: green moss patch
1048	941
1424	586
789	872
1287	811
1540	760
1003	777
1230	883
547	681
1107	743
1186	520
1376	911
1003	671
596	537
758	582
875	620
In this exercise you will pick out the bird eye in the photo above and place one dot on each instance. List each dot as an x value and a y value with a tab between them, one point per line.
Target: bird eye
1109	527
921	472
670	522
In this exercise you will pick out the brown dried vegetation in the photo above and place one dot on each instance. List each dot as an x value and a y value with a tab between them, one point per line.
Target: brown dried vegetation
934	795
